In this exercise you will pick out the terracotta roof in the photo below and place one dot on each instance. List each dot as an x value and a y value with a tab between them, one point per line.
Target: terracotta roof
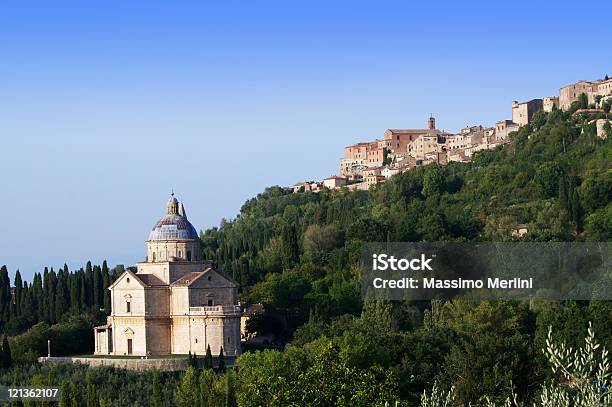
149	279
189	278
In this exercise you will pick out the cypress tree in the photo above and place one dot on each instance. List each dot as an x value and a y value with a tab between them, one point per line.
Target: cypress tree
5	296
106	282
208	360
89	285
97	287
18	292
82	290
51	290
43	302
221	361
74	292
5	360
61	299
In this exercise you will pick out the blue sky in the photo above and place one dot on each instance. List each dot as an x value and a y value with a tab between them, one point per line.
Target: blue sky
105	108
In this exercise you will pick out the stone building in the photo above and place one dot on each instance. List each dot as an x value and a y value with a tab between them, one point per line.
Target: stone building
503	128
175	302
523	112
549	103
397	140
334	182
571	93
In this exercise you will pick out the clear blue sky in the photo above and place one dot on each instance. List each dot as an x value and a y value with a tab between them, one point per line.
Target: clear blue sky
104	109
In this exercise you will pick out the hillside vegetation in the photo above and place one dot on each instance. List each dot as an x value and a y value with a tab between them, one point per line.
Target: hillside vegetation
298	255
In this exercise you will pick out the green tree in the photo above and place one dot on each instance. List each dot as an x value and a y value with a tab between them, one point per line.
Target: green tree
65	394
92	396
208	359
6	360
584	101
187	393
433	181
221	367
157	400
207	381
230	392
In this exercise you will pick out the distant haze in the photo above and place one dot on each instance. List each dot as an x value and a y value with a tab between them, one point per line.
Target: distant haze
107	107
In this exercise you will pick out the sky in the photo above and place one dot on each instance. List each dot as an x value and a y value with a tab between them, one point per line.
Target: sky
105	107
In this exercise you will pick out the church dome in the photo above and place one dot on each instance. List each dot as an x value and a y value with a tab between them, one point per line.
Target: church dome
174	225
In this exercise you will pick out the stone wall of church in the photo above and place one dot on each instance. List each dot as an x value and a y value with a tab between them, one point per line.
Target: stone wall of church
169	250
161	270
179	300
231	336
195	334
157	301
125	328
198	297
158	336
128	290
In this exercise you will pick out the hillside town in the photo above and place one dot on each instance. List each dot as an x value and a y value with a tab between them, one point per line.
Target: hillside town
371	162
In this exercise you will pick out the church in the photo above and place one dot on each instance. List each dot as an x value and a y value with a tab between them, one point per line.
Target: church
174	302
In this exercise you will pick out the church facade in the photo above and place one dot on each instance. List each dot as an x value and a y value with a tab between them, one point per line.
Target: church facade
175	302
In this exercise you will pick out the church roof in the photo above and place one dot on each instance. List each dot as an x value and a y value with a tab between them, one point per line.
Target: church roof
189	278
174	225
149	279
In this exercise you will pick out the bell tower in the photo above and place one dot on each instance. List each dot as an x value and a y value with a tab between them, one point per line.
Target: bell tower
431	125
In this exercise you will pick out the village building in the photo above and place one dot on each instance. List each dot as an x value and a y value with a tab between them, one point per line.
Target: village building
425	145
604	87
334	182
549	103
503	128
523	112
175	302
571	93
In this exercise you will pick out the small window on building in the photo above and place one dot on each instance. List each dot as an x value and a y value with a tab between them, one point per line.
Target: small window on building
154	256
180	254
209	278
228	339
196	340
188	255
210	302
127	279
128	306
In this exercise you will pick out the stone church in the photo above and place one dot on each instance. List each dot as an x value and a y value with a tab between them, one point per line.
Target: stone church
175	302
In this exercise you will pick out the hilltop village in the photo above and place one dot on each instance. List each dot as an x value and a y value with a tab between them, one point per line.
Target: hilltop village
370	162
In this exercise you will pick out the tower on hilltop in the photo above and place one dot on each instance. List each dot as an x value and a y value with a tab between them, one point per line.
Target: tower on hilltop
431	125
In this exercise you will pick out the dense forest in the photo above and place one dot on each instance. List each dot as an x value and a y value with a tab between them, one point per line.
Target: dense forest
297	254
